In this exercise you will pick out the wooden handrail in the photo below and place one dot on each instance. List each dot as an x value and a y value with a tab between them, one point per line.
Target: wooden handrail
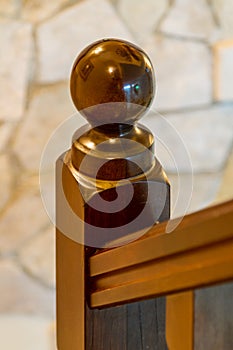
198	252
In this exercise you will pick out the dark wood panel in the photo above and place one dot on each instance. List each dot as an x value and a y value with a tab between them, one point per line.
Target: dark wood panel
105	329
135	326
214	318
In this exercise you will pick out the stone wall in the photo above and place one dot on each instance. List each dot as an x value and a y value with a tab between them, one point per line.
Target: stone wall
191	46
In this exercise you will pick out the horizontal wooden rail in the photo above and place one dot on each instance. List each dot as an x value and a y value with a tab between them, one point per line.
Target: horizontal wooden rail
197	253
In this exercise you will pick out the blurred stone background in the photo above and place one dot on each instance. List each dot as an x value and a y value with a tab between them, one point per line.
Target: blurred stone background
191	46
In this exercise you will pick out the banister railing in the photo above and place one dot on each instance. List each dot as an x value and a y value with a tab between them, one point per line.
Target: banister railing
109	188
196	253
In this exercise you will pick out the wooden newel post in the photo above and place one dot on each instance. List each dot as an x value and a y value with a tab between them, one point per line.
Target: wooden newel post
110	190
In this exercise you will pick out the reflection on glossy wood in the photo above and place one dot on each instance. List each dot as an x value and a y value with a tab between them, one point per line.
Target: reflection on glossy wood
74	318
70	268
109	72
197	253
208	226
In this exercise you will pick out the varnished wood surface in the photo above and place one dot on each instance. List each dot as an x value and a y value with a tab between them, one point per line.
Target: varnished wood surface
198	253
70	294
131	326
179	321
70	268
199	229
78	327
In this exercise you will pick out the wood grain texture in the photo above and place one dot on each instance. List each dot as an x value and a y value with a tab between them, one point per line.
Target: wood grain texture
78	327
70	294
139	325
178	273
150	203
162	263
70	266
179	321
197	230
214	318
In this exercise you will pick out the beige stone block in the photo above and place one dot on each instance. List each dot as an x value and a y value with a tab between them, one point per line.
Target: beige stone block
183	72
61	38
223	70
48	107
38	256
186	199
5	133
9	8
38	10
21	294
23	332
191	19
22	219
203	137
15	65
225	192
223	10
142	17
6	179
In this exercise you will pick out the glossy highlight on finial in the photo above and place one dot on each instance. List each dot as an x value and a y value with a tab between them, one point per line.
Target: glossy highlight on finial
112	81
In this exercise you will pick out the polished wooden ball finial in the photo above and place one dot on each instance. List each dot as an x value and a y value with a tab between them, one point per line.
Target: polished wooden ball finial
112	81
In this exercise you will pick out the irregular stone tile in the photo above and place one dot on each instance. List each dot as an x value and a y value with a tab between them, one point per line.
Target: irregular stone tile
142	18
183	72
38	256
8	8
225	192
23	218
21	294
5	179
192	19
206	135
24	332
223	70
61	38
114	2
48	108
16	50
186	199
224	12
5	132
35	10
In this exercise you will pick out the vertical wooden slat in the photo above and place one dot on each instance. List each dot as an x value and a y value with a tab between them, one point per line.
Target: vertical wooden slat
70	264
134	327
153	324
161	323
180	321
70	294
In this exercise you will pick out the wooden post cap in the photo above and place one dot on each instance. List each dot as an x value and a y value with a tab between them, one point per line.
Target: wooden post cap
121	186
112	82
